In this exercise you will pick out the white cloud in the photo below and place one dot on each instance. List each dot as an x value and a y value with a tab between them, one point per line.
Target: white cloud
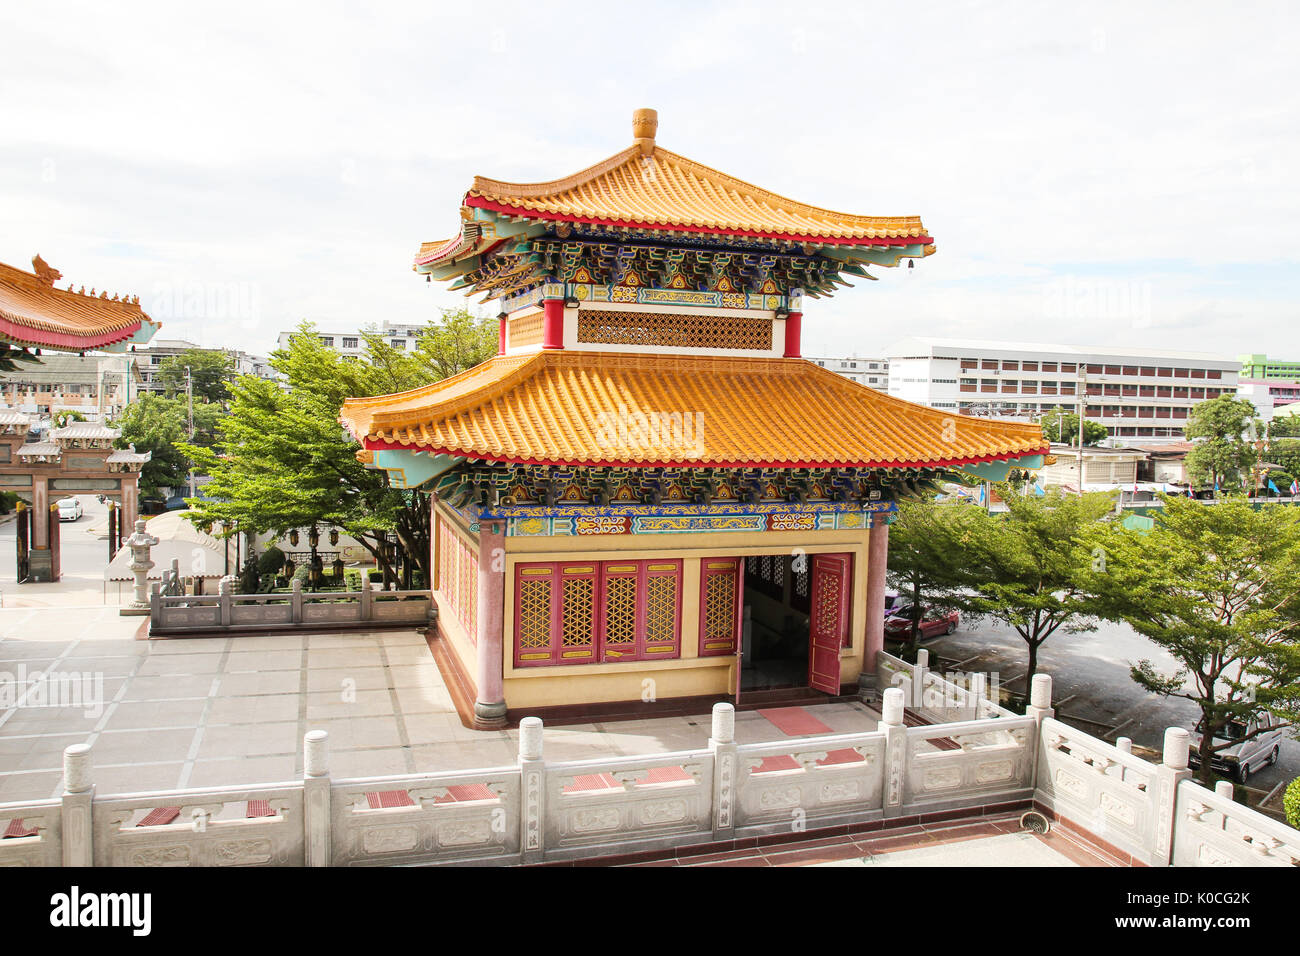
301	154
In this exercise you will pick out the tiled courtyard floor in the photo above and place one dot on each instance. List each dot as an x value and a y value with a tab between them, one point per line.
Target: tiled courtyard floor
231	711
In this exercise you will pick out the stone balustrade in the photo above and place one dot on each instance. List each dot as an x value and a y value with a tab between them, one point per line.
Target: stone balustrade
367	609
537	810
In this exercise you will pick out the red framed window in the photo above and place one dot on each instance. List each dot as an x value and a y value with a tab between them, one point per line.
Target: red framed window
720	597
589	611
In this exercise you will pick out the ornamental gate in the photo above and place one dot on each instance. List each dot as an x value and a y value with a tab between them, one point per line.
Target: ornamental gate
22	540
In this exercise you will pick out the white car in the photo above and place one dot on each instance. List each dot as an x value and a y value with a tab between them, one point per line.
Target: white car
1245	757
70	509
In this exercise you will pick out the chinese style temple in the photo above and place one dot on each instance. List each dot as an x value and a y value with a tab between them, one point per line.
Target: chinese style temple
647	495
37	316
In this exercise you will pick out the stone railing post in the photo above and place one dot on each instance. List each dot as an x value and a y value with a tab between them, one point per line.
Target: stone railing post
1039	708
977	692
295	600
367	598
317	836
895	769
227	602
919	670
1171	772
78	821
1225	789
726	765
532	807
1124	744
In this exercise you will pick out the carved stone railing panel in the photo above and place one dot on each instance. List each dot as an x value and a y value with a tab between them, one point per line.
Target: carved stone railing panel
1110	793
804	782
212	828
971	761
1210	830
40	844
659	799
426	818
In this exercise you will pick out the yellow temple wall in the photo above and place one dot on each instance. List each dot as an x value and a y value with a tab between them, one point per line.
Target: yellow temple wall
686	676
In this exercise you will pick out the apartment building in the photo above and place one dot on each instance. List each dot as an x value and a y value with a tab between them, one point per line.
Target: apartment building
98	386
1135	393
398	335
1268	396
1262	367
873	372
148	359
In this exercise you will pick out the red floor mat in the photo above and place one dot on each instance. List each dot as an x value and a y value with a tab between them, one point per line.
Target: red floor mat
160	816
386	799
795	721
16	830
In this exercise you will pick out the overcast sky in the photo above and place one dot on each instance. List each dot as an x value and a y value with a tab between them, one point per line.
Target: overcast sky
1092	174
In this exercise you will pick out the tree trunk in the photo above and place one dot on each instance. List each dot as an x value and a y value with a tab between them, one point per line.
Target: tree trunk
1205	772
1033	667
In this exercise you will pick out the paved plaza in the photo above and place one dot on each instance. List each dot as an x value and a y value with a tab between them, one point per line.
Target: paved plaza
233	710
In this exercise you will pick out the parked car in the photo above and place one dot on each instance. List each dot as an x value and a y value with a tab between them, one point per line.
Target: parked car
70	509
1245	756
933	623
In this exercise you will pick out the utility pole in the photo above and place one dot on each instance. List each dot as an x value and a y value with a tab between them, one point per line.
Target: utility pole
189	400
1083	404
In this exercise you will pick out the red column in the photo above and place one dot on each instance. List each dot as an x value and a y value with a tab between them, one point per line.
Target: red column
877	562
501	334
793	326
553	324
490	707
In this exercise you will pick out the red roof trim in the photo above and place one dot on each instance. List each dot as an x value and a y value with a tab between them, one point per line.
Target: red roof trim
637	224
26	335
371	444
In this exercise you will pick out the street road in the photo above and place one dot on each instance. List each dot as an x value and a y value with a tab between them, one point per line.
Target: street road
1090	675
84	549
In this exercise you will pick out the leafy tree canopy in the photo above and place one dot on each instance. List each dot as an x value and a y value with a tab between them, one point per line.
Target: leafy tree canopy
210	369
159	425
1223	453
1218	587
1062	426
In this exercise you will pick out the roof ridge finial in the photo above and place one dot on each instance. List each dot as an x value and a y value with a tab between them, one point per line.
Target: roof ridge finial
645	123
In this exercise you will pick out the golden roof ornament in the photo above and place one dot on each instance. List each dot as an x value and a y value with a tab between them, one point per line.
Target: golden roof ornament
645	123
44	271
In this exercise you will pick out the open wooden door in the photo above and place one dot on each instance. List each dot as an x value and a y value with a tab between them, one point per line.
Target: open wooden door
829	619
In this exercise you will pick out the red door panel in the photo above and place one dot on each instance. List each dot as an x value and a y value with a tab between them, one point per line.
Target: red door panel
829	622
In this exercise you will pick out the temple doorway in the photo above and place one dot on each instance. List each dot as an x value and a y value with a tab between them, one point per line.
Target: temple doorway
794	621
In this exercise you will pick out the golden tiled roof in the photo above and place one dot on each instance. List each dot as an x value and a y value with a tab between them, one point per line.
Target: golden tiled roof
566	406
33	311
670	190
647	186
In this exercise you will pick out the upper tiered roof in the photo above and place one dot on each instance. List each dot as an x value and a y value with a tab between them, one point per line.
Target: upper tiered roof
34	313
647	187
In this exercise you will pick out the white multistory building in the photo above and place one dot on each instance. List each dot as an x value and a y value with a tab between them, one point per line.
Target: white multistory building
873	372
1136	393
398	335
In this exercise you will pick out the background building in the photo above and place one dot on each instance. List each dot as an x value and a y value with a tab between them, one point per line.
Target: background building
1135	393
1261	367
148	359
1268	396
95	385
873	372
351	343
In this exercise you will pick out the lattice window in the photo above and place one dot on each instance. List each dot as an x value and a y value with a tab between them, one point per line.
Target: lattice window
609	611
526	330
719	606
601	327
620	610
458	578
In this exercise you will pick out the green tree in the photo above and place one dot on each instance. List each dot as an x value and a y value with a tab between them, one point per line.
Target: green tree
920	557
160	425
1218	587
67	415
1222	454
1062	426
1022	567
284	462
459	341
211	371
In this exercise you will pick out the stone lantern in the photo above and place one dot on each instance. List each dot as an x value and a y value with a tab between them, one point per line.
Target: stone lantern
140	544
